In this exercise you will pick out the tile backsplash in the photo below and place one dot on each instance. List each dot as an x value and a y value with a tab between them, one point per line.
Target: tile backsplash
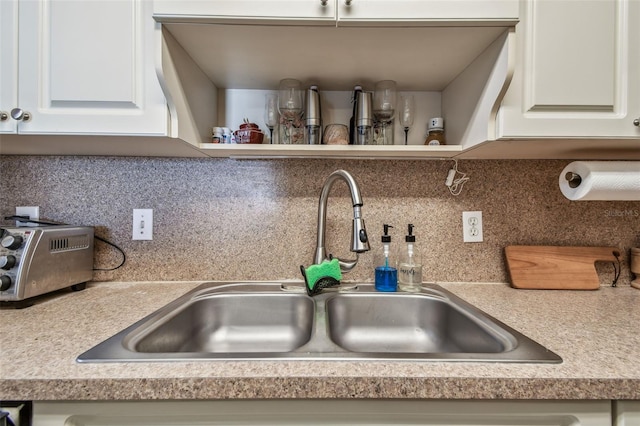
225	219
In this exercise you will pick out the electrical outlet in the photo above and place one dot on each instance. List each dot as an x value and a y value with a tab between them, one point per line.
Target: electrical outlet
142	224
472	227
32	212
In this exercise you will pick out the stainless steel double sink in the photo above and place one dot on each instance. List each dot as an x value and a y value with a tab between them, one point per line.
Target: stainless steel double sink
240	321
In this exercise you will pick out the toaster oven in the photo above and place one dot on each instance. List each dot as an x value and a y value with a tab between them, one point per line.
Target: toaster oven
42	259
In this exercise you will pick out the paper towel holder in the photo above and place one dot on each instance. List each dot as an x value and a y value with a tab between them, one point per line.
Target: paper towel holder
574	179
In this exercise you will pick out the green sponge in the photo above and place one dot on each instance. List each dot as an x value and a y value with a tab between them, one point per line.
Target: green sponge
317	277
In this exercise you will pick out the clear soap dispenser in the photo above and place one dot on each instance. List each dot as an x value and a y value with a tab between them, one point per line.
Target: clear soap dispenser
410	264
386	276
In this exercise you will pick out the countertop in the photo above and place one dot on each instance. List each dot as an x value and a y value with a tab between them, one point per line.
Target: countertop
595	333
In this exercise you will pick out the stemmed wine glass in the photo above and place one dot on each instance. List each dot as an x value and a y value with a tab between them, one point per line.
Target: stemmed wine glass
271	113
384	105
407	111
290	108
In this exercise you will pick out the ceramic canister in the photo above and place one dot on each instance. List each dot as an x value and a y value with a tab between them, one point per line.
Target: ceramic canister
336	134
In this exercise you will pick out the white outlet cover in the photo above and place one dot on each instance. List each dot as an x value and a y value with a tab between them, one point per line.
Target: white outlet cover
32	211
472	227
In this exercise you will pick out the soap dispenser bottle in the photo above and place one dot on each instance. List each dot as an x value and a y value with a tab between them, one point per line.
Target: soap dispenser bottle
386	276
410	264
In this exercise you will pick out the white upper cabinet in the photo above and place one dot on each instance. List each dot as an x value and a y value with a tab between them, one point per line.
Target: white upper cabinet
340	12
577	72
8	64
80	67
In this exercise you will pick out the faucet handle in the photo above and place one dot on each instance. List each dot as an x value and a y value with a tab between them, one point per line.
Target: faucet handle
346	265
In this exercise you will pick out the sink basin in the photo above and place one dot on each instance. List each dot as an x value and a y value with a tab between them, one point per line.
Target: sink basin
229	323
407	323
269	321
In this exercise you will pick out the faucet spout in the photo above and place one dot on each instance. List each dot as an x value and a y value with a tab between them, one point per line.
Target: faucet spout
359	239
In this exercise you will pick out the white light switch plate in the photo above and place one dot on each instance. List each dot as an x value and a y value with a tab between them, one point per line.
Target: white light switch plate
143	224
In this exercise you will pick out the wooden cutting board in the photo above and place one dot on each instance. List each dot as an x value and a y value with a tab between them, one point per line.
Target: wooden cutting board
557	268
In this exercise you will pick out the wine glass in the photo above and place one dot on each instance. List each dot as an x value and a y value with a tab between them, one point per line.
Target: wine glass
290	108
384	105
271	113
406	113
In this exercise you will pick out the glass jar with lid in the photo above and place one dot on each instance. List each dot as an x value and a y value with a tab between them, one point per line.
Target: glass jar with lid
435	128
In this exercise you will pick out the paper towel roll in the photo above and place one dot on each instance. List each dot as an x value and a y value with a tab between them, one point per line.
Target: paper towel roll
601	180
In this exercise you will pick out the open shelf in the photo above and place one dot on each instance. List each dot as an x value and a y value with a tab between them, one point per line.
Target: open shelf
214	75
330	151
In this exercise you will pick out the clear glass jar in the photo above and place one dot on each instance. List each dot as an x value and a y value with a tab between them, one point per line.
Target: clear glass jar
435	128
364	135
290	132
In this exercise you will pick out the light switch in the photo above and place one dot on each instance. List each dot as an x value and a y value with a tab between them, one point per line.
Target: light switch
143	224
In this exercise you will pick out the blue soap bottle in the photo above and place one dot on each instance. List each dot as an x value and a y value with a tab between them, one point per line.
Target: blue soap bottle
386	277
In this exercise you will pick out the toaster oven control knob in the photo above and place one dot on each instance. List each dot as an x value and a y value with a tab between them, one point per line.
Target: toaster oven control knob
12	242
7	262
5	282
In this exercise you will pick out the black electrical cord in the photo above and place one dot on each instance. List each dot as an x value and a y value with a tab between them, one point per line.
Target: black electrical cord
124	256
617	269
27	219
42	222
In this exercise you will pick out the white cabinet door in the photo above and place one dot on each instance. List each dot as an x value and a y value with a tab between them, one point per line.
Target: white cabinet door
276	11
426	11
8	63
627	413
87	67
335	413
577	72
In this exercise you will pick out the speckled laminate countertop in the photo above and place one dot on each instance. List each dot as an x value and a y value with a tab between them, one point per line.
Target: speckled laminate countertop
596	334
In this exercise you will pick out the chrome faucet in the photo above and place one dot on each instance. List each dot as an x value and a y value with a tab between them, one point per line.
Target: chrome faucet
359	239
